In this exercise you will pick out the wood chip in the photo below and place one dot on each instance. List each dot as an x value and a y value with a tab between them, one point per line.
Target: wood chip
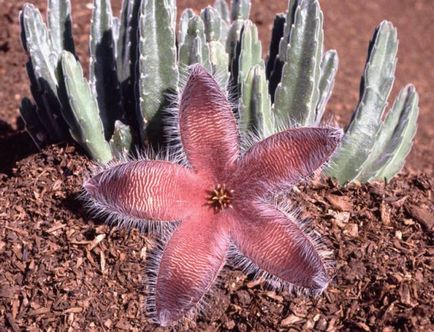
12	323
422	216
385	213
73	310
96	241
102	261
290	320
340	203
352	230
274	296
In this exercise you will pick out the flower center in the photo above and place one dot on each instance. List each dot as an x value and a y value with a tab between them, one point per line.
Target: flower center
220	197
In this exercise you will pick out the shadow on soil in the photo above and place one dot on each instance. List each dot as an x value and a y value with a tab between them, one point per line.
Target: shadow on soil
15	145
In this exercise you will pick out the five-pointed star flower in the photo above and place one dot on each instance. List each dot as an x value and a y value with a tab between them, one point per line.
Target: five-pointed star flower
222	199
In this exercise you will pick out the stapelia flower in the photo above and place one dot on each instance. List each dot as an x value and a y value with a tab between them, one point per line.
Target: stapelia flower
222	199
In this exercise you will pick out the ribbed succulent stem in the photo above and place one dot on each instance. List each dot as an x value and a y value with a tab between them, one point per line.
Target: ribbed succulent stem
217	54
255	103
376	85
194	48
250	50
297	94
37	43
394	139
42	71
329	68
103	75
240	9
60	25
223	10
232	47
212	23
82	114
276	35
275	73
121	140
158	67
123	41
186	15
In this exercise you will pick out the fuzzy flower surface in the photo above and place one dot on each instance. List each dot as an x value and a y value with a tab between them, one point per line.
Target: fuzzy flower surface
221	199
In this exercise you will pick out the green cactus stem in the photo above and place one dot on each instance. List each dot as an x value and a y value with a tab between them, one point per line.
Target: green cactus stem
394	138
250	53
240	9
103	75
123	41
37	43
42	71
60	25
232	47
116	27
157	64
255	103
297	94
293	7
186	15
377	83
195	48
223	10
276	35
329	68
82	114
121	141
275	70
217	54
212	23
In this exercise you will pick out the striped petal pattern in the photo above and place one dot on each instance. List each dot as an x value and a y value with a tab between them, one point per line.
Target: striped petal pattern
151	190
277	245
191	261
283	159
208	128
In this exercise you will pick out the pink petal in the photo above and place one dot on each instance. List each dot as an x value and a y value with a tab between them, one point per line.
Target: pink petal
191	261
152	190
281	160
208	128
278	246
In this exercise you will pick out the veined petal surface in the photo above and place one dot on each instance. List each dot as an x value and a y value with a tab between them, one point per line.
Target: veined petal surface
190	263
277	245
152	190
207	125
283	159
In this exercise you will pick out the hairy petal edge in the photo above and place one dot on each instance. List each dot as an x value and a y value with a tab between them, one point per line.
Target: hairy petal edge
152	190
207	125
278	246
283	159
190	263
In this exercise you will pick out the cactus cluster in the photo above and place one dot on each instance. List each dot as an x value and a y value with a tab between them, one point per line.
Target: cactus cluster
138	60
67	104
373	148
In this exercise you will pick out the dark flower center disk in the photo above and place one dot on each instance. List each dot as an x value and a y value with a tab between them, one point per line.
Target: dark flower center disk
220	198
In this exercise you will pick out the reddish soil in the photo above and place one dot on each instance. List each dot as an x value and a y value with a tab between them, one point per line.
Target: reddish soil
61	270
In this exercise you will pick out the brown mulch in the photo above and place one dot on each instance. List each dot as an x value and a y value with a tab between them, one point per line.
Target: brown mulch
62	270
